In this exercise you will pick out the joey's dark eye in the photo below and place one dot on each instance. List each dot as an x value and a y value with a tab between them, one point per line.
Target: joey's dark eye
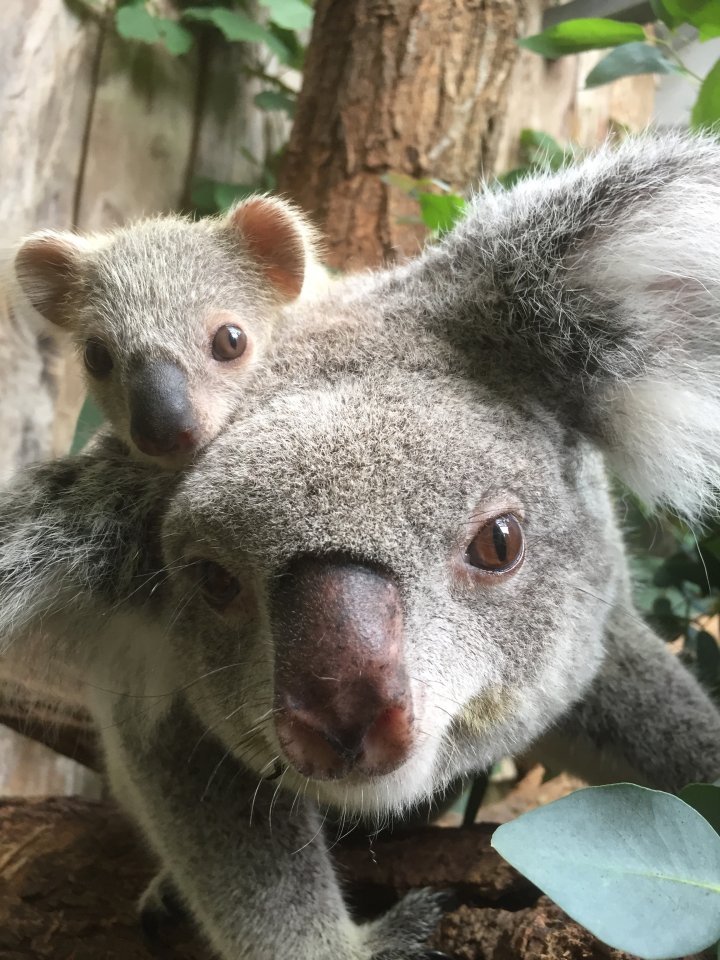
97	357
229	342
218	584
498	546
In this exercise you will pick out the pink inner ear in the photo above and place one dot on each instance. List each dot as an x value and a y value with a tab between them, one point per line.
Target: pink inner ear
273	234
44	267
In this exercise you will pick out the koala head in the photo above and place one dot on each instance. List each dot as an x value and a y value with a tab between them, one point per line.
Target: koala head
398	561
170	315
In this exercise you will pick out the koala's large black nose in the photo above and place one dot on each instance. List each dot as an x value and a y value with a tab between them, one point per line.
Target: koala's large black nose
161	416
343	698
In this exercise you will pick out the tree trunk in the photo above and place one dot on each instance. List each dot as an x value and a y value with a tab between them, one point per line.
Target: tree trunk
410	86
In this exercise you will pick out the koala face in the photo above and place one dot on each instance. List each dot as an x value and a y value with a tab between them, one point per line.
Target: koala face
169	315
168	326
397	562
371	622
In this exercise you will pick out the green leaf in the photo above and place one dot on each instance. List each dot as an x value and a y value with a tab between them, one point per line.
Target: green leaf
213	196
629	60
440	211
708	658
238	28
89	421
706	112
543	151
274	100
176	38
639	868
289	14
705	798
661	12
575	36
703	14
135	23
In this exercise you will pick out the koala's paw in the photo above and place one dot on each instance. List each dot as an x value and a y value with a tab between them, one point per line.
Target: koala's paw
159	905
402	932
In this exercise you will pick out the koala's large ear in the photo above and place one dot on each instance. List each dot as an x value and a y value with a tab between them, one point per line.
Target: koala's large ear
279	238
46	266
601	287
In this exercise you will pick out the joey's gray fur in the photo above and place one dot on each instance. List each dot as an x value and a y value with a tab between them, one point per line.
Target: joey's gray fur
153	294
570	322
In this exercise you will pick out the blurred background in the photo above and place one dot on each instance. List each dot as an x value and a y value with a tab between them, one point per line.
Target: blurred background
376	117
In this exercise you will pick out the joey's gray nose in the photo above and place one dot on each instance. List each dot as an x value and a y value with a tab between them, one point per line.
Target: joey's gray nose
161	415
342	696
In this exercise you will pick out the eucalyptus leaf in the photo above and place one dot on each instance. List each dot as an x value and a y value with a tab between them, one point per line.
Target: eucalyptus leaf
705	798
275	100
629	60
661	11
88	423
576	36
238	28
639	868
703	14
136	23
289	14
706	112
543	151
440	211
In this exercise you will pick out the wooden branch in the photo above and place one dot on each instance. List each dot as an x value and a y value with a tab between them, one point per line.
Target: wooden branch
71	871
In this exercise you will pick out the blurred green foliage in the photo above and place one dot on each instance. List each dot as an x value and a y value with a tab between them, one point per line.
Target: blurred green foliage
636	49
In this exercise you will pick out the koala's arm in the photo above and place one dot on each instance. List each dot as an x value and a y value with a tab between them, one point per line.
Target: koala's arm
247	860
73	537
644	718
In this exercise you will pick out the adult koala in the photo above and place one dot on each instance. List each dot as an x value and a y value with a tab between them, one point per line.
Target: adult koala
401	560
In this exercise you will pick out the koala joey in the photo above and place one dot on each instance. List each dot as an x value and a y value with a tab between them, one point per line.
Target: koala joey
400	560
170	315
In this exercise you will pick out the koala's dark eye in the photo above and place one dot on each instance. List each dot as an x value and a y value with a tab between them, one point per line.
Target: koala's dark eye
498	546
229	342
97	357
218	584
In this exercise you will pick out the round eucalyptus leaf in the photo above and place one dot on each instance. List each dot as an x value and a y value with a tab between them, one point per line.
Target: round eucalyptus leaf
630	60
639	868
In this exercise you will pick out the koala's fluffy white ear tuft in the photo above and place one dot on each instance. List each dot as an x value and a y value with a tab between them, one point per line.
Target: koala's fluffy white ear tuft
659	415
46	265
278	238
602	282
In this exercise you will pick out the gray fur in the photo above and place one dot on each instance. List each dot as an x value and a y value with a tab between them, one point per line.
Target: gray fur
493	374
156	291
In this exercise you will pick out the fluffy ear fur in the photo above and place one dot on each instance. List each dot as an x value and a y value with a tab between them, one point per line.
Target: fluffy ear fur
602	286
46	266
279	238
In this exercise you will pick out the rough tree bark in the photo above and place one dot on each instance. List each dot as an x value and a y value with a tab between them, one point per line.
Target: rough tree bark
71	872
410	86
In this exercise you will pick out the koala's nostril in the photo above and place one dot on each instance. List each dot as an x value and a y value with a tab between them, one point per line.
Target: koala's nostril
318	745
184	441
187	440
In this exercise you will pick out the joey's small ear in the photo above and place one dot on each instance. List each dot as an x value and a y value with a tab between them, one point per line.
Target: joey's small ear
45	266
278	238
